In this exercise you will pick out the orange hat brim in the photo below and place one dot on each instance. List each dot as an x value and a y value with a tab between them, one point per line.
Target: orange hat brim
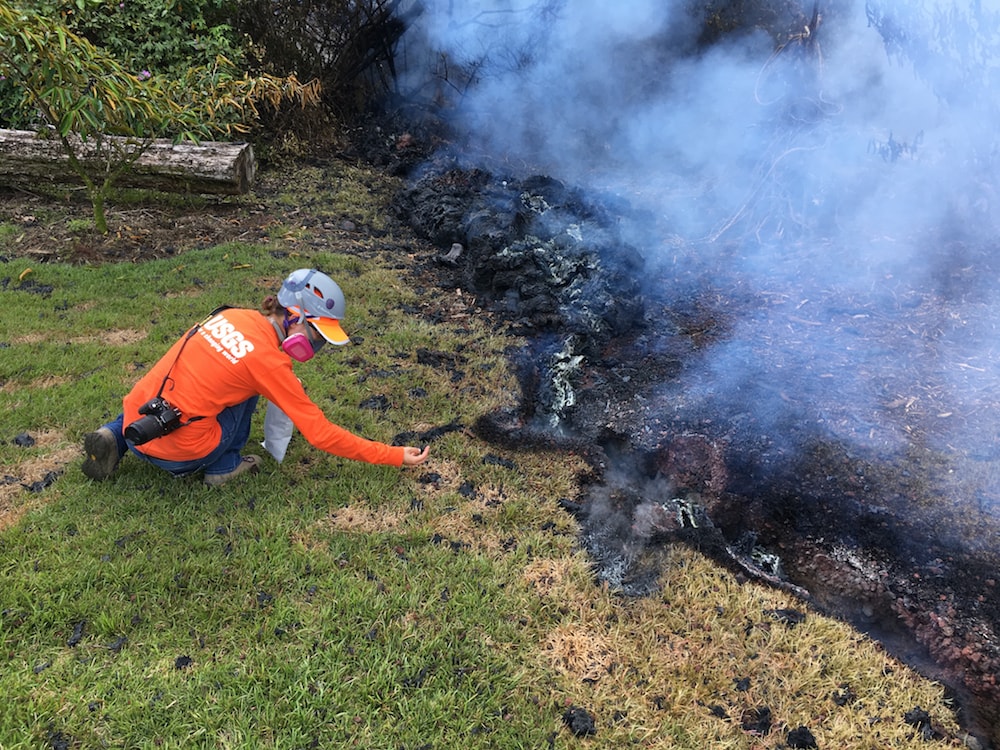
329	329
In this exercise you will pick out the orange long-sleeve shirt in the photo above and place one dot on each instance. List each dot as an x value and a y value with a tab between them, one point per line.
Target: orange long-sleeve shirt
232	357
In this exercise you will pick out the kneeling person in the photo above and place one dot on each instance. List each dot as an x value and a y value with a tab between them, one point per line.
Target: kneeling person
191	412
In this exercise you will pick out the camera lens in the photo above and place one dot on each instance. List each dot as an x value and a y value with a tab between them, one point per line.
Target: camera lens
143	430
159	419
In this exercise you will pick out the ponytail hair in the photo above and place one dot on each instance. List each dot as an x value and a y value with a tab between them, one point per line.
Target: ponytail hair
270	306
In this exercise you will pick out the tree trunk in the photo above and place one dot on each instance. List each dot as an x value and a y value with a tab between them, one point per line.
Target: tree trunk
211	167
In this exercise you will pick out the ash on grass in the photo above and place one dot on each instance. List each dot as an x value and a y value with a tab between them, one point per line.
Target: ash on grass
733	664
44	457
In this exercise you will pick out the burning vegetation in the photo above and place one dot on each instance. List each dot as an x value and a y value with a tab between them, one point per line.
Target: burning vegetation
860	510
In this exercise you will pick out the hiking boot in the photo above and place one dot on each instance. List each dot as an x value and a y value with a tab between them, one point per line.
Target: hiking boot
249	464
101	451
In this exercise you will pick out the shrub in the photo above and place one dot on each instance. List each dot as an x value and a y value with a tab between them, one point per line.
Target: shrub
164	37
84	95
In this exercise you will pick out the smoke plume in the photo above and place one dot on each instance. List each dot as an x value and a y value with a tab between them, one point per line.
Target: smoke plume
838	168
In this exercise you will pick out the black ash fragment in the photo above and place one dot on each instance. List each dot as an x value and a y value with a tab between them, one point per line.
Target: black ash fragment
77	636
24	440
416	680
573	508
375	403
718	712
801	737
123	540
49	478
438	360
492	460
117	644
33	287
844	696
580	721
183	662
920	719
60	741
790	617
756	720
431	477
428	436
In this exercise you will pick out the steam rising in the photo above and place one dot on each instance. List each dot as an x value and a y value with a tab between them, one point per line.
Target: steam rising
840	178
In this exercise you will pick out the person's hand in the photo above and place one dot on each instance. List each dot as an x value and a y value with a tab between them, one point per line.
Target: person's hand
414	456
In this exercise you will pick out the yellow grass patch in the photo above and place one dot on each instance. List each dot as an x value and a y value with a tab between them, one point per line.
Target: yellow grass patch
361	519
471	522
451	478
578	652
49	381
30	338
551	577
116	337
704	655
15	500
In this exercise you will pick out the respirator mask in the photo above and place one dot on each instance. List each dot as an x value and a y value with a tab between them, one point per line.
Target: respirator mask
299	346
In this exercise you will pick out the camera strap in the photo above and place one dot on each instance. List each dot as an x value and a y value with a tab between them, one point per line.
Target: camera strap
192	332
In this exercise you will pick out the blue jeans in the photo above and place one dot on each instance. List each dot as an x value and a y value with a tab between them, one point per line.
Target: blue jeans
235	424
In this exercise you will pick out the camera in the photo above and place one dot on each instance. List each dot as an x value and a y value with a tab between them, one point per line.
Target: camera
159	418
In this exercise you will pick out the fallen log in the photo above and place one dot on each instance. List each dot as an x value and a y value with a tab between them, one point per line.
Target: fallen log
211	167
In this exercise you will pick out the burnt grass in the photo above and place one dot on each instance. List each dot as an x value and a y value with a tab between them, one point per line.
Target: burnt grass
883	534
882	517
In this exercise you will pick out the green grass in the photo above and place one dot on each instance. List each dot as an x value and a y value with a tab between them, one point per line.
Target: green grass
325	603
8	232
285	640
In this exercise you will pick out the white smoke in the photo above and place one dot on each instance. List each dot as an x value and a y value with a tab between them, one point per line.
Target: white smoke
595	93
836	174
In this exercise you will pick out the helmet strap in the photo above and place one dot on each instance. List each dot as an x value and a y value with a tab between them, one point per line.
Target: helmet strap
281	330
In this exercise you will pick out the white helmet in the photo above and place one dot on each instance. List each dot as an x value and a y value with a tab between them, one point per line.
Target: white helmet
317	296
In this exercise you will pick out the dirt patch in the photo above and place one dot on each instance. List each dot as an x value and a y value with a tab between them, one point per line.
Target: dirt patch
43	230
